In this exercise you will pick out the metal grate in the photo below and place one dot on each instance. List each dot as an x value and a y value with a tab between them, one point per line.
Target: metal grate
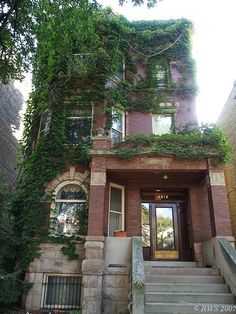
61	292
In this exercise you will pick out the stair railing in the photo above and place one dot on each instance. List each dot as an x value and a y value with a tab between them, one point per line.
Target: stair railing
219	252
138	277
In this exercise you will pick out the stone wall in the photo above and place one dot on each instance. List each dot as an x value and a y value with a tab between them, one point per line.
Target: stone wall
106	275
10	104
227	122
51	261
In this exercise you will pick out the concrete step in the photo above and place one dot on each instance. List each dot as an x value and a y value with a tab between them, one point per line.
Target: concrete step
181	271
184	279
190	308
178	287
187	297
169	264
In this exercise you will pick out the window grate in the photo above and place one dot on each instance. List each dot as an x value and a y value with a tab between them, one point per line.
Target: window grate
61	292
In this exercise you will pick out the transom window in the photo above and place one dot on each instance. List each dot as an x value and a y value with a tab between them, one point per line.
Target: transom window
118	125
162	124
79	125
116	209
70	205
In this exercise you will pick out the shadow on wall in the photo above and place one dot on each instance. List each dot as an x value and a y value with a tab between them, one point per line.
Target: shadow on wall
11	102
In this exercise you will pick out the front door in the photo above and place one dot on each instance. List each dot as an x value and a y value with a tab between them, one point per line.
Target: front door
164	225
165	231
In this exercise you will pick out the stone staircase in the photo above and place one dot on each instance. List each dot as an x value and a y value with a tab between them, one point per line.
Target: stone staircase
181	287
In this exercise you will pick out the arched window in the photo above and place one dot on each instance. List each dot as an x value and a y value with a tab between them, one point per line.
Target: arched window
70	214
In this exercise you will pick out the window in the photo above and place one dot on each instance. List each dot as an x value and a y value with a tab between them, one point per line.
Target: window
118	125
116	209
162	124
79	125
45	121
71	206
61	292
119	73
162	76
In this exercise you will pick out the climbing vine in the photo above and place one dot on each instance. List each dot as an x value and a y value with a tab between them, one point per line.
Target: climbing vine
202	142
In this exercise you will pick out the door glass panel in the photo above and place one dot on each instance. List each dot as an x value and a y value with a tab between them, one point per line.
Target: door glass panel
165	228
145	224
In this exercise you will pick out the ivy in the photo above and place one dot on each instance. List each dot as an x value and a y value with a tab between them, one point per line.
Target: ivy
205	141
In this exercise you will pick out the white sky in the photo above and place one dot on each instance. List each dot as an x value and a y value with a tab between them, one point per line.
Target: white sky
214	46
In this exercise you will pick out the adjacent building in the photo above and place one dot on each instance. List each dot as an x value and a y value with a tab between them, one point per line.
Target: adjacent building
10	105
226	121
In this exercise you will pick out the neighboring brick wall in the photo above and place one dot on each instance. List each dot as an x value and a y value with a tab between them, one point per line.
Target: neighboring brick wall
227	122
201	224
10	104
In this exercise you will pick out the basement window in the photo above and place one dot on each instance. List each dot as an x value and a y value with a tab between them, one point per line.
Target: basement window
79	126
61	292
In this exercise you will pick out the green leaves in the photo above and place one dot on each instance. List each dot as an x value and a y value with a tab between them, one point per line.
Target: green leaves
205	141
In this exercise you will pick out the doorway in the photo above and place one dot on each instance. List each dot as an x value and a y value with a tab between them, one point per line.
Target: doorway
166	230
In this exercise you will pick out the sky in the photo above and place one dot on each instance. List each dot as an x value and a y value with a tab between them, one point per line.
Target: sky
214	46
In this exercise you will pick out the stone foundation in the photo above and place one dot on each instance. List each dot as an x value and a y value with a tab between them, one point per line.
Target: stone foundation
51	261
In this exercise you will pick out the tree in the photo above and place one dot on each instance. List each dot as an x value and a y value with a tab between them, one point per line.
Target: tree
19	22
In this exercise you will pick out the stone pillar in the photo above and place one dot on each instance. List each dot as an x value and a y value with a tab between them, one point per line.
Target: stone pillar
218	202
92	270
97	197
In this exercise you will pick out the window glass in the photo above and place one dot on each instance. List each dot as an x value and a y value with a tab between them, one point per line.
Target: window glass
161	75
162	124
70	205
78	126
115	223
165	228
116	199
117	131
116	209
45	122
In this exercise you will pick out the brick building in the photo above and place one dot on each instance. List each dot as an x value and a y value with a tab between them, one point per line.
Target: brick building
170	195
226	121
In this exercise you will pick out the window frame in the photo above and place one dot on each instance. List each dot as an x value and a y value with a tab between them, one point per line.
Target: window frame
82	118
122	213
58	201
123	113
45	287
171	115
